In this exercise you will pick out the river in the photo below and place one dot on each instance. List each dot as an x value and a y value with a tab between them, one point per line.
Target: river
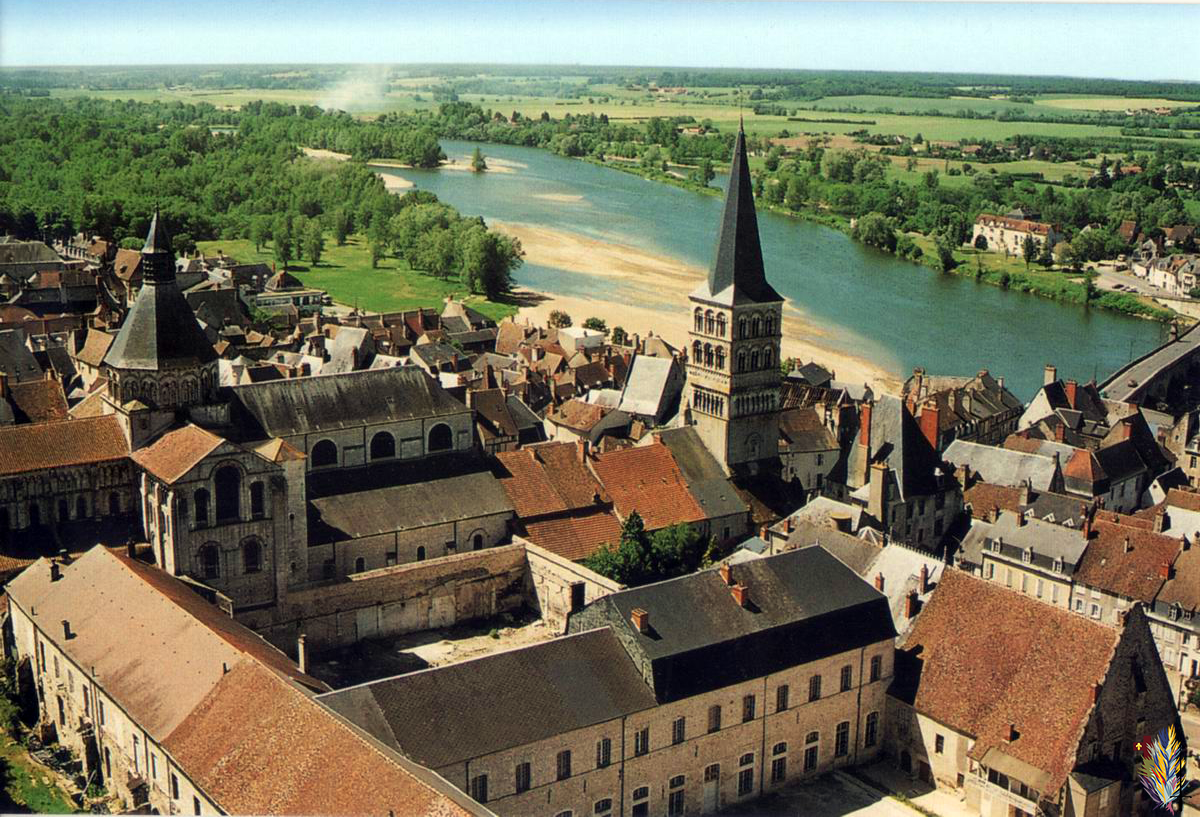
868	304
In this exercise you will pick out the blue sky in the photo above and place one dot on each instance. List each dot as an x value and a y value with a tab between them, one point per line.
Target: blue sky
1106	40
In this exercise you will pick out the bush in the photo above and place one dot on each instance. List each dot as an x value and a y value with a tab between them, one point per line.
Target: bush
559	319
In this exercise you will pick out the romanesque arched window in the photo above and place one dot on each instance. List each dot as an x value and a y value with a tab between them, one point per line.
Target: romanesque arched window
210	562
720	359
80	508
441	438
755	326
383	446
228	484
477	542
720	324
323	453
697	356
699	320
768	357
710	324
258	500
769	325
741	327
753	360
708	354
201	500
741	360
251	556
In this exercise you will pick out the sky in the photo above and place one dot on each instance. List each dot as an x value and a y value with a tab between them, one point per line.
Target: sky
1085	39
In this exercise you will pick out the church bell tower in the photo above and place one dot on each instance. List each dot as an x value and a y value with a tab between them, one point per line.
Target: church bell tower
733	355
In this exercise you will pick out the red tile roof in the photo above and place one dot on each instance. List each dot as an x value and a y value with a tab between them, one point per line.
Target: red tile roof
40	446
175	453
647	479
95	348
547	479
991	658
1125	560
1083	466
577	415
1188	500
576	536
42	401
984	497
1018	224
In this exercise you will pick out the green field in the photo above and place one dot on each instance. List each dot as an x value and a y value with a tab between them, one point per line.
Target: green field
346	274
28	787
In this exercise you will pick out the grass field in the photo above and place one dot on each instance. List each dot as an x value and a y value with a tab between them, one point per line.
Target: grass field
25	785
346	274
1107	103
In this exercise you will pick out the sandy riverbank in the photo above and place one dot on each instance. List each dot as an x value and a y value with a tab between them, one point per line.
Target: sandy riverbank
672	279
394	183
321	153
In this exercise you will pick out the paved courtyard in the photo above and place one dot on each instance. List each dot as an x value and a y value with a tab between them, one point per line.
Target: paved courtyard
832	795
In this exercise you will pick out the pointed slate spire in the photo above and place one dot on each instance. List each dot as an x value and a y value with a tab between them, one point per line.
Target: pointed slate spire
158	259
739	261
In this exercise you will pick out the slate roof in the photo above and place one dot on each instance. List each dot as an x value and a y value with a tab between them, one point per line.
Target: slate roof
804	605
707	481
302	405
26	252
408	507
855	553
803	431
44	446
1002	466
646	479
897	440
16	360
737	275
961	669
500	701
178	451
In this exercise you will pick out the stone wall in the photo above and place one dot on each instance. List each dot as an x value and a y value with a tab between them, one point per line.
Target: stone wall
549	582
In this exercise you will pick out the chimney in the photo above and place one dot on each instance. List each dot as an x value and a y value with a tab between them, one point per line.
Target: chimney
640	619
1060	431
924	586
1087	524
930	415
910	605
3	386
918	382
741	595
55	572
1051	375
582	449
726	574
764	532
1126	546
1023	499
1070	387
1165	570
67	636
1000	382
1020	519
789	524
879	582
864	426
302	652
1013	734
877	498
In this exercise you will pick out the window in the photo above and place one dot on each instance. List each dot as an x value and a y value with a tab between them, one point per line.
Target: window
847	678
196	804
779	763
675	798
210	562
678	730
745	778
603	753
876	667
101	713
228	482
1095	611
421	553
251	556
258	503
814	688
602	807
714	718
324	453
747	708
564	764
477	542
360	564
641	741
781	698
56	666
87	702
479	788
939	744
522	775
154	766
441	438
641	808
383	446
871	733
712	773
174	786
810	758
201	499
841	739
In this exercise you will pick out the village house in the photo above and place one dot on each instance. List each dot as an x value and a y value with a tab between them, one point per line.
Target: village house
1028	555
1008	235
632	714
1039	715
976	409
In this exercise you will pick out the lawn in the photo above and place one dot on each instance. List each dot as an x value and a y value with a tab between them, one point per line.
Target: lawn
26	786
346	274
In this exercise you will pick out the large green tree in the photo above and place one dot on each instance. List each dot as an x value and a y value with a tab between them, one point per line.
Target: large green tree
640	557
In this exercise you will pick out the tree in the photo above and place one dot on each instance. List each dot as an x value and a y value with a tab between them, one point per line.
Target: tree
1046	256
704	172
341	226
314	242
559	319
875	230
1029	250
943	242
596	324
797	192
259	232
773	157
477	161
640	558
284	248
619	336
488	260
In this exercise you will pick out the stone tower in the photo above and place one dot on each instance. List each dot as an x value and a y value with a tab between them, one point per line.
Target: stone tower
161	358
733	356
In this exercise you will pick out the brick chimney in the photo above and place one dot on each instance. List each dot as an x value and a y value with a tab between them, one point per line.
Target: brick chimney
581	449
924	585
1050	376
930	416
1126	547
864	426
1020	519
1165	570
740	594
726	574
1086	527
3	386
1071	387
789	524
910	605
640	619
1060	432
879	582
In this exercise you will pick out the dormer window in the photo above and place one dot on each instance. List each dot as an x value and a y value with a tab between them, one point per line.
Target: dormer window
1058	566
1187	615
1174	612
1027	555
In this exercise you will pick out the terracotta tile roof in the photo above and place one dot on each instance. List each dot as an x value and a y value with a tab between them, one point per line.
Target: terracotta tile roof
40	401
984	497
41	446
1126	561
991	658
549	478
128	265
1018	224
577	415
92	405
647	479
1178	498
1083	466
175	453
277	450
95	348
576	536
257	745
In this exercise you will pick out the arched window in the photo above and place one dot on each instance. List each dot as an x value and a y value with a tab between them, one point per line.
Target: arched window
720	324
477	541
710	324
114	504
360	564
741	327
421	553
201	498
699	320
753	359
258	501
251	556
80	508
768	356
741	360
228	483
64	512
755	326
383	446
720	359
210	562
324	453
697	356
770	325
441	438
708	354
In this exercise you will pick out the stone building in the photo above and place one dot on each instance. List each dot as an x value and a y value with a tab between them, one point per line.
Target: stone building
733	365
1020	707
647	707
1006	234
177	709
978	409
